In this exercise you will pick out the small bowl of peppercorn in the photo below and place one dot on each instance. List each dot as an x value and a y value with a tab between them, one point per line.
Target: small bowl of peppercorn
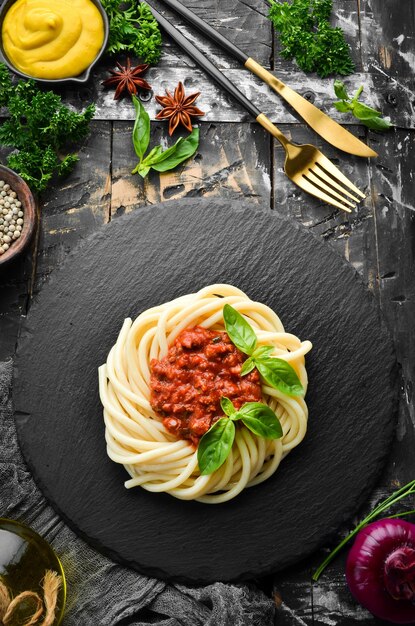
17	214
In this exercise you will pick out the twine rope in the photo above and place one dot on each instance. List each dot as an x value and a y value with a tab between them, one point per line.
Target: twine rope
45	607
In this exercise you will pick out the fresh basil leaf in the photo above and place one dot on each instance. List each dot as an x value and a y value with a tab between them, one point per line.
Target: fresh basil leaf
227	406
356	96
215	446
377	123
142	170
239	331
185	148
280	375
154	153
141	131
340	90
343	107
261	420
247	366
262	351
364	112
156	156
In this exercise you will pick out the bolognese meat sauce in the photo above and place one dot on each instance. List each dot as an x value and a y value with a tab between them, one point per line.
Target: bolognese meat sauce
199	369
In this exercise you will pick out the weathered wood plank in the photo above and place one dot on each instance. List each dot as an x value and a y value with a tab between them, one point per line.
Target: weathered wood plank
394	194
253	31
351	234
243	22
233	161
388	53
221	108
387	29
78	205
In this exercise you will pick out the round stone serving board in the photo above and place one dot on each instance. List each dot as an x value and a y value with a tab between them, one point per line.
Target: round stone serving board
149	257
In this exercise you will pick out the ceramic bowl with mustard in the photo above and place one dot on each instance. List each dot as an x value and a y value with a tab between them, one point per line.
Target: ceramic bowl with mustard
53	41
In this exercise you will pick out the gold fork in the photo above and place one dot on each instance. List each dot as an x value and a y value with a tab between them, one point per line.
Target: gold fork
306	166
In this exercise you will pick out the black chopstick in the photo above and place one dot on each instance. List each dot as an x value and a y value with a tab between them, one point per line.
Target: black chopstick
207	65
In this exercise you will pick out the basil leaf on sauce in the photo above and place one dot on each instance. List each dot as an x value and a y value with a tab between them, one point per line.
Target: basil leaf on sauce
215	446
227	406
280	375
247	366
263	351
141	131
261	420
239	330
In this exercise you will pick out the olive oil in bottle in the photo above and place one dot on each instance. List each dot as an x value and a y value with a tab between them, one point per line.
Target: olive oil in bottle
25	557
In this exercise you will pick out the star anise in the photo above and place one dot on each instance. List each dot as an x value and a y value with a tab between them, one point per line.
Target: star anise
178	109
127	79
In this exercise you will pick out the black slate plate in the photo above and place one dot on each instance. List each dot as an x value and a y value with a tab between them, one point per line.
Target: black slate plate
154	255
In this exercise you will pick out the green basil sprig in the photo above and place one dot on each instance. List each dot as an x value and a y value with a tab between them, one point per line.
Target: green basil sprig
368	116
158	159
276	372
215	445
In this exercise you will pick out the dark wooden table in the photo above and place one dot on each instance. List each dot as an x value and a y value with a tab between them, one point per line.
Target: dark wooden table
237	159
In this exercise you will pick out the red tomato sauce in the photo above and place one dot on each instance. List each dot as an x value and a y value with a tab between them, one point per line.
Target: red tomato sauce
187	384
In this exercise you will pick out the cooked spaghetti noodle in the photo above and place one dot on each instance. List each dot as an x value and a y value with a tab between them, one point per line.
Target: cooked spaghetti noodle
135	434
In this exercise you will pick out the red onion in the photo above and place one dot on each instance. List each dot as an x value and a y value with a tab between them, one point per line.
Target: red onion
380	570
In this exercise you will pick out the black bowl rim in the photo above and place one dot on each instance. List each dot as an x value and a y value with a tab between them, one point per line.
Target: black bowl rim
81	78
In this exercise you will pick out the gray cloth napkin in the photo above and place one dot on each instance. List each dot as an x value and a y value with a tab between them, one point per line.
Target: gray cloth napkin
101	592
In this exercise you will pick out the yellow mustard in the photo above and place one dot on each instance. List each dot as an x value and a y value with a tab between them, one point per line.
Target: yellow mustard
52	38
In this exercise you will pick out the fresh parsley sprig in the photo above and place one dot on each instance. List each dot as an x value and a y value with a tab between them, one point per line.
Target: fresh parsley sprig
41	129
133	29
158	159
306	35
350	104
215	445
276	372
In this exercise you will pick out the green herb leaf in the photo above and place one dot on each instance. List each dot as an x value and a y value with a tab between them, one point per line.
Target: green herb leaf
247	366
153	154
142	170
258	353
262	351
184	149
165	160
141	131
157	153
280	375
227	406
261	420
133	29
340	90
367	115
364	112
215	445
377	123
343	107
41	130
239	330
306	34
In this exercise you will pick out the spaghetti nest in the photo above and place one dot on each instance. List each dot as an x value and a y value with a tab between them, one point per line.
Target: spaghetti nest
135	434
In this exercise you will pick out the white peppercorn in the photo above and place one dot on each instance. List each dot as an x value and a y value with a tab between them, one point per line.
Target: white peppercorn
11	217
